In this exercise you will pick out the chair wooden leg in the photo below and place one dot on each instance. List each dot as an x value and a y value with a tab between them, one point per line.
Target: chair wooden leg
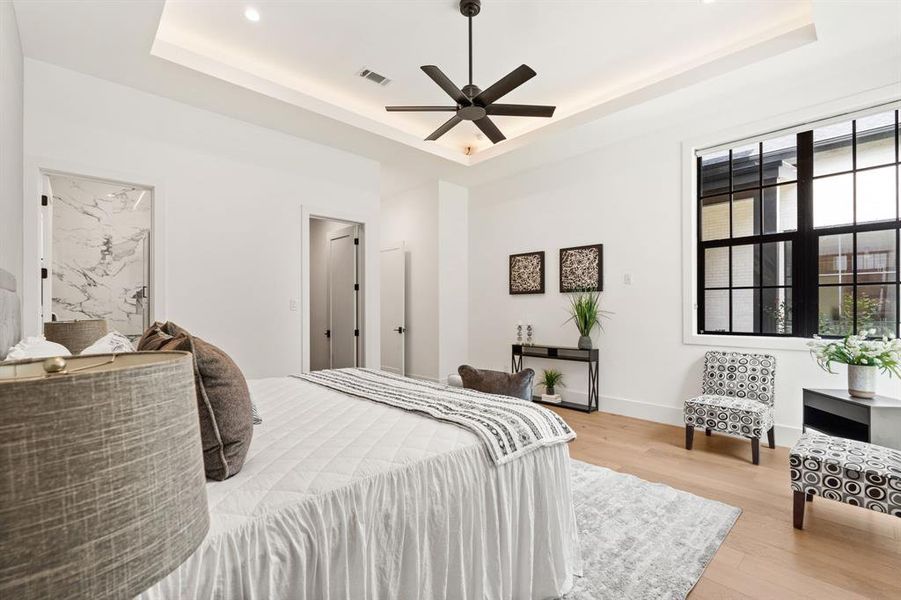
709	431
689	436
799	509
771	436
755	450
809	497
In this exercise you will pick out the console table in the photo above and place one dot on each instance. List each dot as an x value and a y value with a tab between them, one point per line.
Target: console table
521	351
837	413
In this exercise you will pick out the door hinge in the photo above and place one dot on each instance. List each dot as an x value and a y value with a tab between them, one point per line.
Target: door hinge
43	273
356	241
44	200
356	333
356	287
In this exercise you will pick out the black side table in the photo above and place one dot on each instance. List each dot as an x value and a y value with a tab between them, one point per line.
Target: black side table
520	351
837	413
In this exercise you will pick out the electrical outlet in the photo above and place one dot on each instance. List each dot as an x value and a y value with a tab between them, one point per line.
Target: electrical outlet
627	278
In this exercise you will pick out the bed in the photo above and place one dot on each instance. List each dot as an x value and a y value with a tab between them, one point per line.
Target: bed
344	498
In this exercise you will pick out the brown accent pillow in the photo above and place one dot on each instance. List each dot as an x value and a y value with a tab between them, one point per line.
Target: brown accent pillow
517	385
223	400
153	339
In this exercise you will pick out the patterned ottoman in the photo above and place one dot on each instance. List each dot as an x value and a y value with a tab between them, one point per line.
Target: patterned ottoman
855	473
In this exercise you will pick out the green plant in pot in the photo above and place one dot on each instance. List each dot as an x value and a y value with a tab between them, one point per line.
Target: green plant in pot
585	311
550	380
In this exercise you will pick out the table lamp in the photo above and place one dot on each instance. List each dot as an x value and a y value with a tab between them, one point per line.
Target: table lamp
102	487
75	335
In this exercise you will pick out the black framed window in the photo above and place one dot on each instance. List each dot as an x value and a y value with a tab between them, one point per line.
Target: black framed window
799	234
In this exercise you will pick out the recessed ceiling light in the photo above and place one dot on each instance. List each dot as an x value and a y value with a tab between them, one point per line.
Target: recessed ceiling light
252	14
707	1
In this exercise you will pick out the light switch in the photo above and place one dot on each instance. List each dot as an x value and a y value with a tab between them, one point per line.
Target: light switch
627	278
292	305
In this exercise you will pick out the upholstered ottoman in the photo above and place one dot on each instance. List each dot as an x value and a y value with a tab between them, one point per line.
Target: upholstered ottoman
855	473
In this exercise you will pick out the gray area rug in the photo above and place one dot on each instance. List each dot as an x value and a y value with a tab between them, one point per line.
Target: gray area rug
642	540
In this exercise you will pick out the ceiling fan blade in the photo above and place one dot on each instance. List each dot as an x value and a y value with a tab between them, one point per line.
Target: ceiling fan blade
490	129
505	85
520	110
446	84
448	125
421	108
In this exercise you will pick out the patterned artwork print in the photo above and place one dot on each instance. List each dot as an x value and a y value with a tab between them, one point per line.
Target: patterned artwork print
527	273
581	268
848	471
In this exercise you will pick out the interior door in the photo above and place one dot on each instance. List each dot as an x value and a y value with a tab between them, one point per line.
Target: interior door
343	289
393	311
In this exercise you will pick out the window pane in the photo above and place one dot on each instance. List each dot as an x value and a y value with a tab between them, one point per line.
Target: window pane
876	195
744	310
716	267
832	149
835	258
745	261
780	159
836	306
876	256
776	263
777	311
716	311
715	218
876	140
876	308
745	213
780	208
833	200
715	173
746	166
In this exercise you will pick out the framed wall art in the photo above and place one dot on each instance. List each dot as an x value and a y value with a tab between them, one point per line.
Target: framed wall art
582	268
527	273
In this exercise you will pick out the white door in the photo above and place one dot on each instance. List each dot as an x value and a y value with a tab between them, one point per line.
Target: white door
343	288
393	321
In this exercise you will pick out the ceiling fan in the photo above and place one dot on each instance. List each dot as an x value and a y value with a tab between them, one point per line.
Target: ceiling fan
472	103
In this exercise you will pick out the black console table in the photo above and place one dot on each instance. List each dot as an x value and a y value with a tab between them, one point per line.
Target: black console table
521	351
837	413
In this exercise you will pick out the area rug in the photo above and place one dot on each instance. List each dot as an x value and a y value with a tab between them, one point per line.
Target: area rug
642	540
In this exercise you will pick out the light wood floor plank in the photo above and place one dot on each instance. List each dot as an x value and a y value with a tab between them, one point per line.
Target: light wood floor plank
843	552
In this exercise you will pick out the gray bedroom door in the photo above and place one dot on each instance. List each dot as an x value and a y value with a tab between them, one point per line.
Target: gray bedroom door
393	307
343	292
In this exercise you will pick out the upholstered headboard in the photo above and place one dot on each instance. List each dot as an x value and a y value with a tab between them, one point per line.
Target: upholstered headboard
10	315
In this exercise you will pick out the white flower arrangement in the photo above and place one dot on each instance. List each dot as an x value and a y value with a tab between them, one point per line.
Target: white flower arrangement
884	353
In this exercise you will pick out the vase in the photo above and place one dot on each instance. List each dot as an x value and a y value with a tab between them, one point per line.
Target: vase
549	389
584	342
862	381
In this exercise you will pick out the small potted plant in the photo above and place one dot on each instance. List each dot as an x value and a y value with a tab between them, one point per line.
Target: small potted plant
863	356
551	379
585	311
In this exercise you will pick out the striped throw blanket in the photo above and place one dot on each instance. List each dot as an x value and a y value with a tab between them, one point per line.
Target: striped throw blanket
508	427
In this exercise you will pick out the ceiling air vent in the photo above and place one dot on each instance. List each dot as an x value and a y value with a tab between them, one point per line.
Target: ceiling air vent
373	77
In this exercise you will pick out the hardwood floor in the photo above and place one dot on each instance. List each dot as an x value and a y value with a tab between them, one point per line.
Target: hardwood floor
843	552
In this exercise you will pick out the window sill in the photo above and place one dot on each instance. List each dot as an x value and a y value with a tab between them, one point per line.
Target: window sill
752	342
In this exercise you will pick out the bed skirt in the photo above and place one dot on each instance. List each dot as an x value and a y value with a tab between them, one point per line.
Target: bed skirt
445	528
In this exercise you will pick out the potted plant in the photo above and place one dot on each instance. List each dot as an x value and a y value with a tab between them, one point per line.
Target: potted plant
550	380
863	356
585	311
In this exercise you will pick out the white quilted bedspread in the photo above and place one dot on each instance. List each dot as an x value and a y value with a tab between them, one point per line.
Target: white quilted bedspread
343	498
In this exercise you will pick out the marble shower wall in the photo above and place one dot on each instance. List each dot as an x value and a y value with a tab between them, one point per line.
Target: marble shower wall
100	252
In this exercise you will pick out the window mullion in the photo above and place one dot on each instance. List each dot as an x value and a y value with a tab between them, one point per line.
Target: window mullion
806	269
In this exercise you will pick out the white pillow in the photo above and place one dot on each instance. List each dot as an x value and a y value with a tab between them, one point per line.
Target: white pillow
36	347
112	343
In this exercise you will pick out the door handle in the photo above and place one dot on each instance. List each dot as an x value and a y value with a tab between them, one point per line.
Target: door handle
400	329
328	333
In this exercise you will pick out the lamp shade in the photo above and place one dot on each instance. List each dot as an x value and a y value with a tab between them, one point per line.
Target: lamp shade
102	486
75	335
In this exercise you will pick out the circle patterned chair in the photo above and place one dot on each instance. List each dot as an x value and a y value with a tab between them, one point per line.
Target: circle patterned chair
737	398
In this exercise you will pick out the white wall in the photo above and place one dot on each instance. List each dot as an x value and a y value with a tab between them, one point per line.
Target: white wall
411	216
453	279
232	196
319	344
11	102
628	196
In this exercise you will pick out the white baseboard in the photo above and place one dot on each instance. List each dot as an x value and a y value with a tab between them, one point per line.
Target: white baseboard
786	435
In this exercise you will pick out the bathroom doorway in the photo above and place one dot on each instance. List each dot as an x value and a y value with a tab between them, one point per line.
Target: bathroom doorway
96	251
